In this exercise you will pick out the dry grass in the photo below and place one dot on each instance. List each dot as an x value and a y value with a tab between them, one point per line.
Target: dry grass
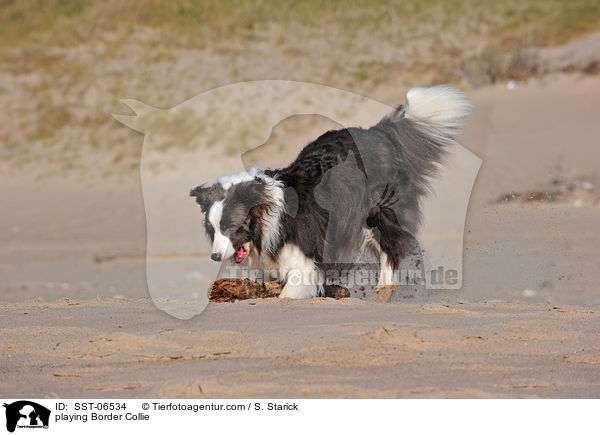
65	64
546	21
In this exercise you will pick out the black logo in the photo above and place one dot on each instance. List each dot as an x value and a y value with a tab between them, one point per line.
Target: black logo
26	414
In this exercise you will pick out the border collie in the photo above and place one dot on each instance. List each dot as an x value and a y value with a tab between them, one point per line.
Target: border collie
348	189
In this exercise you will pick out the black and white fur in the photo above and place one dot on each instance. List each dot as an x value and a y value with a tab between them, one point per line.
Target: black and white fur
277	218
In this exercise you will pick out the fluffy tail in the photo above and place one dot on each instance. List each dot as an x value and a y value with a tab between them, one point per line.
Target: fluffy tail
442	109
429	124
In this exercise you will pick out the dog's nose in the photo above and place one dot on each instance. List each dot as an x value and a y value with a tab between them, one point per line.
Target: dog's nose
215	256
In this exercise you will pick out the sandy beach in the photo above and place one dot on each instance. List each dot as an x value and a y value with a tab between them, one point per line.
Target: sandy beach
77	321
301	349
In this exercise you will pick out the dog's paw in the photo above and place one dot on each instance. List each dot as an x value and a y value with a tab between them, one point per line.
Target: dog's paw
382	293
299	291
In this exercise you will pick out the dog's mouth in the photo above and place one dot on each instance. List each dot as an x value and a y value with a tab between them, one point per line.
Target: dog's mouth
241	253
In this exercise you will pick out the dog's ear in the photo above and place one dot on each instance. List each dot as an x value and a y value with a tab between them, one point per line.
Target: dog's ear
207	195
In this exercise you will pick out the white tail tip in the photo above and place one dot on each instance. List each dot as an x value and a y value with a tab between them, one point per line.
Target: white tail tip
441	107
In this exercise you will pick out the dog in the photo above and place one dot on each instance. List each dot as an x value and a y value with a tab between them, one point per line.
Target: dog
281	219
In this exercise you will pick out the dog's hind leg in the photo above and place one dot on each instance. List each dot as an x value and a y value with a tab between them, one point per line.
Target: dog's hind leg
386	271
394	244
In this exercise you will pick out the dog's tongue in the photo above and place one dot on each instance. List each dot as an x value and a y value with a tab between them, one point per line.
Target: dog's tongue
240	254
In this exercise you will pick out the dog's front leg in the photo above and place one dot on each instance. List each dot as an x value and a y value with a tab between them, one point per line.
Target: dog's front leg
301	284
300	274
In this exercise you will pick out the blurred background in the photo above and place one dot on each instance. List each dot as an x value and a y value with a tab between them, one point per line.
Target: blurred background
72	219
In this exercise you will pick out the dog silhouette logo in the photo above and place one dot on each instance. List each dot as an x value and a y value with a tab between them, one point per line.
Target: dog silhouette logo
26	414
219	132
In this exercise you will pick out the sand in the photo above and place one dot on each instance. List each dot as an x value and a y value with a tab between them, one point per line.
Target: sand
76	320
314	348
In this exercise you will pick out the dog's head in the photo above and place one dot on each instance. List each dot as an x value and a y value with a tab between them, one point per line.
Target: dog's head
241	213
